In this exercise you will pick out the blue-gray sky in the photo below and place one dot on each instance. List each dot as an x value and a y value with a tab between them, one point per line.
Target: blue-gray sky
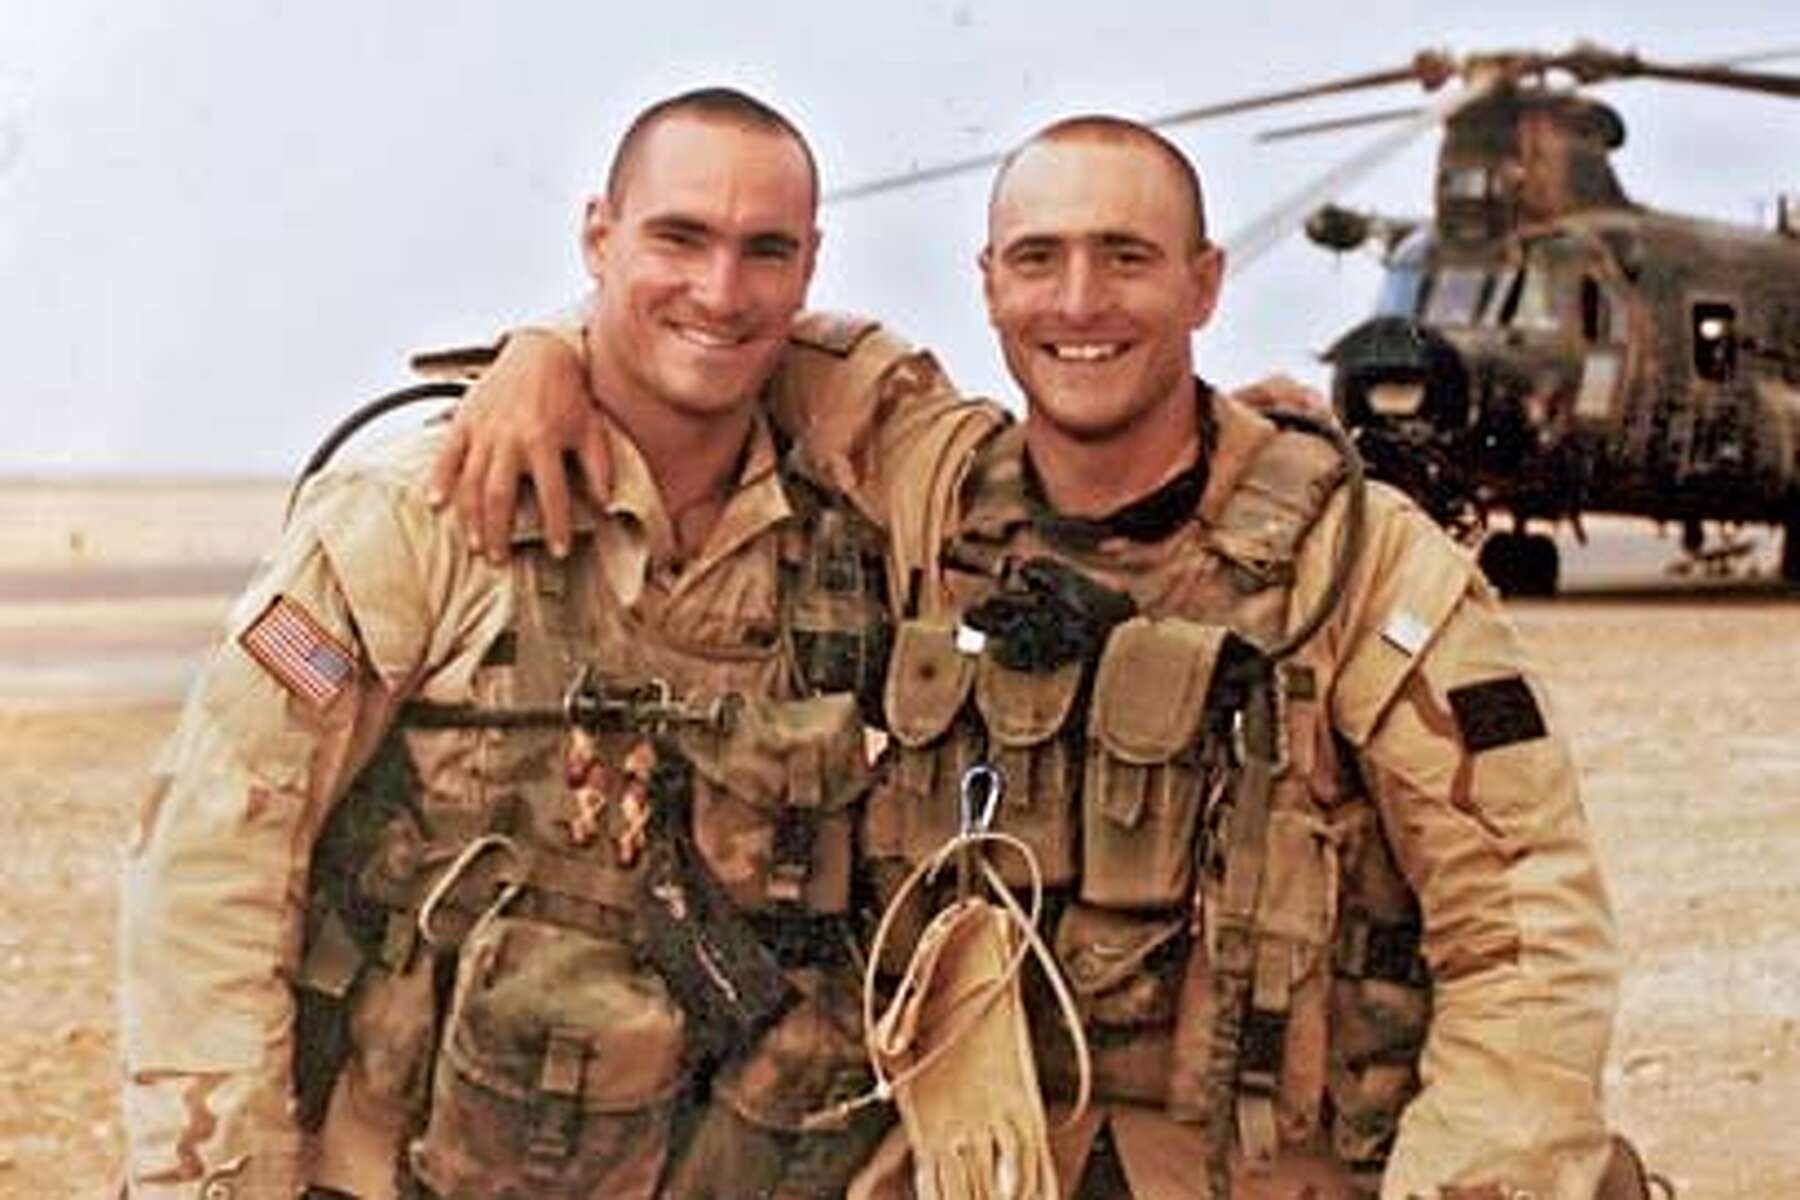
224	224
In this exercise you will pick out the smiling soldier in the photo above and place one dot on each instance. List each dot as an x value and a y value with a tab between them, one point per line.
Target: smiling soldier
1320	878
389	929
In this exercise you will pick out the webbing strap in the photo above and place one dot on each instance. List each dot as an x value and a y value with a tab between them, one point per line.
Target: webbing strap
1241	973
555	1105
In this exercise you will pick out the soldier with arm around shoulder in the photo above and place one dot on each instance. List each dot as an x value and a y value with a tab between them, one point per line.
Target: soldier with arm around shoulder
1400	976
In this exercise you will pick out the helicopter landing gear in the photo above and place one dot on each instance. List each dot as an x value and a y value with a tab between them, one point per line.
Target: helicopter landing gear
1521	564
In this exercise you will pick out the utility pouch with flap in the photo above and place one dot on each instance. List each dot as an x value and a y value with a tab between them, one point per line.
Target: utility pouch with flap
1148	769
560	1064
1124	968
1026	714
934	739
772	802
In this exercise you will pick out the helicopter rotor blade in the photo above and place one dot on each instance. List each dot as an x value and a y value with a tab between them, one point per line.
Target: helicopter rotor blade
1430	67
1727	77
1759	56
1333	125
1251	242
1591	64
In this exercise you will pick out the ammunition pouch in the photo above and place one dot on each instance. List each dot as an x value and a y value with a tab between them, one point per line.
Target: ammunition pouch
560	1063
948	711
1125	970
772	803
1149	765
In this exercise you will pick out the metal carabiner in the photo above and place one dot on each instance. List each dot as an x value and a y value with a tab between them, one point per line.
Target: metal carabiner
982	785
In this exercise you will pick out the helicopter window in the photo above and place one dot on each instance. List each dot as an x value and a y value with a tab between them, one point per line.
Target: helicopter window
1599	384
1596	311
1455	297
1534	305
1470	183
1715	341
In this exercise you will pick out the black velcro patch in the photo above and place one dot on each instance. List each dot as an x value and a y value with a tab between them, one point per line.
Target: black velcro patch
1496	713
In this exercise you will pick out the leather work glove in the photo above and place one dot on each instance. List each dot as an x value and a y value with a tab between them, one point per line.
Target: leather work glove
957	1044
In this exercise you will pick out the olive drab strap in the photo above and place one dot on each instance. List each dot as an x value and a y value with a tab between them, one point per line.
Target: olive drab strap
1277	499
1250	1001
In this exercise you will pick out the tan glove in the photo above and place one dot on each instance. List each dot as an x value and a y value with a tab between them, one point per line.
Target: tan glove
954	1050
971	1108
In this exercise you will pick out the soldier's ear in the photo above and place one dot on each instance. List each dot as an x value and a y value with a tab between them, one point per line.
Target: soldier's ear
985	260
1206	267
597	225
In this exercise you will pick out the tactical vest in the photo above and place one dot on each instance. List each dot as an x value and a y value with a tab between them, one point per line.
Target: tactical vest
471	848
1128	777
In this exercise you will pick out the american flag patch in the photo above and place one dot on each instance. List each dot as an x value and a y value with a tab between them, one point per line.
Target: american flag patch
292	646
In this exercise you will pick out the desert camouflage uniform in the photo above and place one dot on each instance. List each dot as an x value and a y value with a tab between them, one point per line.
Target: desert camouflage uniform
384	609
1444	974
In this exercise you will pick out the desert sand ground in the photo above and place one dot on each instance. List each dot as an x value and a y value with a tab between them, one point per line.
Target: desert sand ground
1683	699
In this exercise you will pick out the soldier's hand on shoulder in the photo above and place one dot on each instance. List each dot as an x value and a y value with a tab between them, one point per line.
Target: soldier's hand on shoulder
529	414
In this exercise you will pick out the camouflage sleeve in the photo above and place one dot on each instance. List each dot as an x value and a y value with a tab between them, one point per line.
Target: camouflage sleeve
306	679
879	419
1477	796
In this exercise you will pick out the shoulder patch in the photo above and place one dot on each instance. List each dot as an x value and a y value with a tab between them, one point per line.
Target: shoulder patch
1496	713
834	333
291	645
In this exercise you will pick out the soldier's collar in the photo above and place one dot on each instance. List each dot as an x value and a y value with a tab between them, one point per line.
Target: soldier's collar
634	492
1149	518
1238	434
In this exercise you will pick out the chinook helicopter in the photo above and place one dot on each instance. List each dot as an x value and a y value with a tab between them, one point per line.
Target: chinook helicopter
1542	344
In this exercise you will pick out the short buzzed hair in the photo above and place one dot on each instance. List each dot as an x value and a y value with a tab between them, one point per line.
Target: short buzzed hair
1103	127
708	103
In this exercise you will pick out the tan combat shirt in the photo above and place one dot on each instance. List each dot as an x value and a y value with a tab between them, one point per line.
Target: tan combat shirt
215	885
1518	931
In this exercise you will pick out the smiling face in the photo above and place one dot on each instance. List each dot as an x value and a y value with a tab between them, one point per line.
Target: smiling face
1096	275
702	258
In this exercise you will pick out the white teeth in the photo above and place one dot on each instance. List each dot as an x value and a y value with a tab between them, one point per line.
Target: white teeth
706	338
1086	351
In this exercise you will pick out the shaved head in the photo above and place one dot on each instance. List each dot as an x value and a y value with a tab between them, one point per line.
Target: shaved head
724	105
1110	130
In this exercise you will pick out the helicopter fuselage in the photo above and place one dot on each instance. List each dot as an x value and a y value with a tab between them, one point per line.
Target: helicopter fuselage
1616	360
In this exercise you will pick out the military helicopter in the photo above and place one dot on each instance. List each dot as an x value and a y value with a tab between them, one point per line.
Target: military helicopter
1542	344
